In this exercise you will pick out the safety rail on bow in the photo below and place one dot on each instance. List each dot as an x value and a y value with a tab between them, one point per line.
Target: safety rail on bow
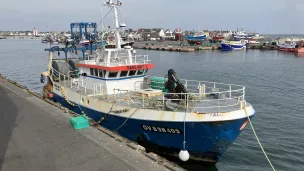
200	94
72	81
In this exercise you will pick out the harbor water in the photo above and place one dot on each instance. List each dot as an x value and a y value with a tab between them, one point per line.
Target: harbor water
274	86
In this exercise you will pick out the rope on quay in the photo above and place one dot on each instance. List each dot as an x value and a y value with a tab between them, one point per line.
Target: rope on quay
244	107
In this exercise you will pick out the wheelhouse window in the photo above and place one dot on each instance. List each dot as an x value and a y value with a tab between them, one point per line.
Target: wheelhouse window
140	72
96	72
102	73
132	72
123	73
91	71
112	74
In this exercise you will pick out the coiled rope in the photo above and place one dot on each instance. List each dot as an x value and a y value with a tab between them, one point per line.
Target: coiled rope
244	107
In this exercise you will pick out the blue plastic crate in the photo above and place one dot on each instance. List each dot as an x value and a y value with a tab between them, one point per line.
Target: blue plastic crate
79	122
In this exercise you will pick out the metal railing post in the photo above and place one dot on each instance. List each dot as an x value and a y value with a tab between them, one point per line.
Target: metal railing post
143	101
163	99
230	91
244	93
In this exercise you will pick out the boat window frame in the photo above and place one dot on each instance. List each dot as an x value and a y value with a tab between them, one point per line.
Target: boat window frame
102	73
127	74
96	73
92	71
133	74
109	72
143	72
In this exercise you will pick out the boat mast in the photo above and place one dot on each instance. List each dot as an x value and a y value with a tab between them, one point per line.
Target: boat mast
114	5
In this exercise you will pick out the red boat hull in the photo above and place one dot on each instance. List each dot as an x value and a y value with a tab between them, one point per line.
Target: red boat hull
218	38
291	49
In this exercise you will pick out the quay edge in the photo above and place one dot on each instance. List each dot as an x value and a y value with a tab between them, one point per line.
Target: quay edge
48	123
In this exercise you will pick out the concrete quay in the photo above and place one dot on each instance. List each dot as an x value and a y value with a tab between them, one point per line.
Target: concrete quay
35	135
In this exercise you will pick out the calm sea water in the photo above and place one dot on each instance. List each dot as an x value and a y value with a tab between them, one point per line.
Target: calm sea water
274	86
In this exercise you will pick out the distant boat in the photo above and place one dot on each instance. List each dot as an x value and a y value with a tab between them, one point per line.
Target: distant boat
55	42
253	42
199	37
84	42
44	41
288	46
241	35
218	38
233	45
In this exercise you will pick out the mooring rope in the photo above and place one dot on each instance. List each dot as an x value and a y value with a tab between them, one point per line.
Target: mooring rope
126	120
184	143
244	107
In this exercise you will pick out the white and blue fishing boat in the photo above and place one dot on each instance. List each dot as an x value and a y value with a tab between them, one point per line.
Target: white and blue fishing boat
233	45
241	35
186	118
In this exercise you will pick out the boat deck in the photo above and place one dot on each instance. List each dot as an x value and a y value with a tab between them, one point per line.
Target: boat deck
158	100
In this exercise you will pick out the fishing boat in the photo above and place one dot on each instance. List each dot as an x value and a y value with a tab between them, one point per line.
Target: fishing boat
218	38
196	37
241	35
233	45
189	119
288	46
84	42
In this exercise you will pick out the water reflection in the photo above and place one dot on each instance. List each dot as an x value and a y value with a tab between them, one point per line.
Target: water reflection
299	55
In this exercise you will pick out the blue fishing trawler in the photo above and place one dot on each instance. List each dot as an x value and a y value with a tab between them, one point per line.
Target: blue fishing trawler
233	45
196	37
189	119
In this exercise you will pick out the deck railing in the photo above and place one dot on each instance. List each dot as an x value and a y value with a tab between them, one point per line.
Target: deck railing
200	94
124	60
72	81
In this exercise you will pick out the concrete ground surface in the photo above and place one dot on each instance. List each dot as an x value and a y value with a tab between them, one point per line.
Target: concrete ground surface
36	136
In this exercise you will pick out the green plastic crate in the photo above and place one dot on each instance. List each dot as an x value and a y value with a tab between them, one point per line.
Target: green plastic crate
79	122
158	83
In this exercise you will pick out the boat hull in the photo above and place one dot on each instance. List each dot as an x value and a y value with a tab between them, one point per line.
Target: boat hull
205	141
228	47
195	38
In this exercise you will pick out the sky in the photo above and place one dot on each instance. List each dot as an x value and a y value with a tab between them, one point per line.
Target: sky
263	16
